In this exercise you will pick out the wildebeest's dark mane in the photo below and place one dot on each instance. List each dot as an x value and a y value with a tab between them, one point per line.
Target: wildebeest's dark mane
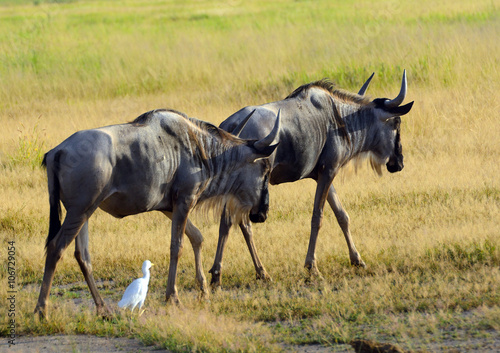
146	117
204	126
329	86
325	83
213	130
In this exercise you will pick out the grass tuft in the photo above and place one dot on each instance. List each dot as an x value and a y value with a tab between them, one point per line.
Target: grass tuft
30	147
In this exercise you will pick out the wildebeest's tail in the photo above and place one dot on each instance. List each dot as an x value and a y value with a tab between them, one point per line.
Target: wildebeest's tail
54	198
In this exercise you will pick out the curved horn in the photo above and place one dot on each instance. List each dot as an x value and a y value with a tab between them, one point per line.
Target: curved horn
365	86
401	96
237	131
266	141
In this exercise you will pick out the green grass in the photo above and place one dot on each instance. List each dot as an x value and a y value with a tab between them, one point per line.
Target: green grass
429	234
168	40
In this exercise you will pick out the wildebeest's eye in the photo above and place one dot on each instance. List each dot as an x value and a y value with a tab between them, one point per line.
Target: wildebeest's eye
396	123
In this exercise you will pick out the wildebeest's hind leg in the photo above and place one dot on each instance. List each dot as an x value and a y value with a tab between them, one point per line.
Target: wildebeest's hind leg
196	240
224	227
343	220
55	249
259	268
246	229
82	255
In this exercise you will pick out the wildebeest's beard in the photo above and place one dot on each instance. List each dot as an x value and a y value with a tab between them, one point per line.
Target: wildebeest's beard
395	163
242	197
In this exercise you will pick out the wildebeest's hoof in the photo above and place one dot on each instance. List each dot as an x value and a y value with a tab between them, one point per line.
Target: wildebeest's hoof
313	275
263	276
204	295
358	263
215	287
105	313
41	312
215	281
173	299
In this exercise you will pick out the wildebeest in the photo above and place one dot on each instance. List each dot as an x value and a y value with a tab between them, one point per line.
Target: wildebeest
163	161
322	129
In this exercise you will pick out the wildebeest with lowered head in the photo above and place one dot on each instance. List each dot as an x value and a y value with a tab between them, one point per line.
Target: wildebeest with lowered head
322	129
161	161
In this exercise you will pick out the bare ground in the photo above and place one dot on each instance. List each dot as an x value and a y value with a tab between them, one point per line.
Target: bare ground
75	344
94	344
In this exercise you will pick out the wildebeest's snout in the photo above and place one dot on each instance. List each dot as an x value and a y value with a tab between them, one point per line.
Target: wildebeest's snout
261	215
258	217
395	164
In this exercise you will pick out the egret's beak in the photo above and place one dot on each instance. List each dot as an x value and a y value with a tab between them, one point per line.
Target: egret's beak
152	264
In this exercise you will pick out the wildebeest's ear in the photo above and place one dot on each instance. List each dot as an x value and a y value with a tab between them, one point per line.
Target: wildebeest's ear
402	110
388	113
263	152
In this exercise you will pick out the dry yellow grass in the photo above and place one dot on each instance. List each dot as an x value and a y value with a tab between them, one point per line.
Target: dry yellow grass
429	234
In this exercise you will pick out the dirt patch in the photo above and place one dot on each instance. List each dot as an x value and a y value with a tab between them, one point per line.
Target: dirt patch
94	344
75	344
473	345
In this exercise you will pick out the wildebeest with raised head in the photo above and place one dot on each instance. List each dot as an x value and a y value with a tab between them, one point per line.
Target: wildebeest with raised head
163	161
322	129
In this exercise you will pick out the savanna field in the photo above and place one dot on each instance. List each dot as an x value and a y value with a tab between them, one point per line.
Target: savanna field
430	234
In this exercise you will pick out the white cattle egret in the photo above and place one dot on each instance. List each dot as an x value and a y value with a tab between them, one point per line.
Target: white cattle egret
137	290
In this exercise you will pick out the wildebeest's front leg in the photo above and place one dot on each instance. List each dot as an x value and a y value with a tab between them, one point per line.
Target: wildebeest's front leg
323	183
343	220
82	256
259	268
179	220
196	240
224	227
246	229
55	249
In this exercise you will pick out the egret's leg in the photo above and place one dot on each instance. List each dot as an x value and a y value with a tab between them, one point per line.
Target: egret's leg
140	307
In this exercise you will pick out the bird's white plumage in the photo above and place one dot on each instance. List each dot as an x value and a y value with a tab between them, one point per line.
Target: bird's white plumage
136	292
